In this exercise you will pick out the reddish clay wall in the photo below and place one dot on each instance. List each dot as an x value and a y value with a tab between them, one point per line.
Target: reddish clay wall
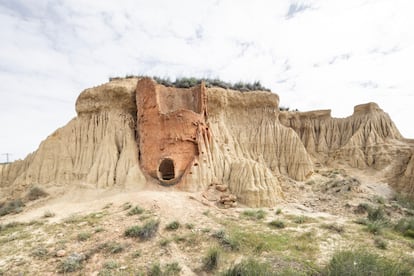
168	122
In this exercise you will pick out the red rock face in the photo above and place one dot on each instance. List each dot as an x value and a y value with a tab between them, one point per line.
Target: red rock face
169	122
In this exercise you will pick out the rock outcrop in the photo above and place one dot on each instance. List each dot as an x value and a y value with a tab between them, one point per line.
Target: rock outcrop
171	124
126	129
96	148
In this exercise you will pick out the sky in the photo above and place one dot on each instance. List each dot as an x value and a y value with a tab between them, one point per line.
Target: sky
320	54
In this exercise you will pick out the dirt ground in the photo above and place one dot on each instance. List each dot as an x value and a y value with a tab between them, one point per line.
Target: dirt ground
318	218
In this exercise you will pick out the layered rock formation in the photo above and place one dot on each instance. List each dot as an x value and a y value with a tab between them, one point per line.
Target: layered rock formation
366	139
96	148
171	124
243	141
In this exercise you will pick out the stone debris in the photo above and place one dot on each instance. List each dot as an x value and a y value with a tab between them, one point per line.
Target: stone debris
220	194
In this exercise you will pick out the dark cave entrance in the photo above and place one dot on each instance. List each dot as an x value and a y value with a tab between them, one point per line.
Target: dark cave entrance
166	169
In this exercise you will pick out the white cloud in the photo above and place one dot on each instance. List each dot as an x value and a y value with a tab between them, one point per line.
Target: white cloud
315	54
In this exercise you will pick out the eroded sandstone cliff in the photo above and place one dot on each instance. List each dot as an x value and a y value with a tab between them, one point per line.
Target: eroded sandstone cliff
244	142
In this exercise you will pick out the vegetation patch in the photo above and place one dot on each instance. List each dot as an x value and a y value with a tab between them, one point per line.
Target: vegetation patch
173	225
334	227
380	243
406	227
40	252
254	214
277	224
301	219
212	259
36	193
145	232
72	263
249	267
363	263
227	241
135	211
190	82
362	208
112	247
83	236
170	269
405	201
111	264
11	207
187	82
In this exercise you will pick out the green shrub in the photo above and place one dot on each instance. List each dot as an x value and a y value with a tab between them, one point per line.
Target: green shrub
277	224
362	208
111	265
39	252
172	269
11	207
375	227
380	243
227	241
135	211
278	211
376	214
379	199
249	267
405	201
112	247
99	229
363	263
187	82
211	260
300	219
405	226
169	269
165	242
173	225
255	214
155	270
145	232
36	193
71	263
83	236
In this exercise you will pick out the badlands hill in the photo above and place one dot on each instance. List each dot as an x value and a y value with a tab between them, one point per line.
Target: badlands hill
125	129
150	179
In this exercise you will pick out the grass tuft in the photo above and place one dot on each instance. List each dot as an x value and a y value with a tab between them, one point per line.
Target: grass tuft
135	211
380	243
212	259
363	263
72	263
277	224
112	247
249	267
334	227
406	227
173	225
145	232
227	241
254	214
300	219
